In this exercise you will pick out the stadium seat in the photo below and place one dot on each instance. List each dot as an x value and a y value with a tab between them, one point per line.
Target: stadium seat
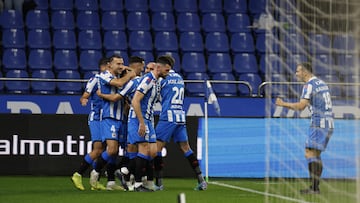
344	44
86	5
351	90
89	60
188	22
61	4
242	42
17	87
65	60
40	59
257	7
163	21
322	64
64	39
13	38
253	79
213	22
335	90
291	21
210	6
138	21
319	43
185	6
274	64
293	60
115	40
88	20
235	6
112	5
140	40
39	39
62	19
217	42
160	6
166	41
37	19
112	20
121	53
295	42
176	56
196	89
238	22
191	42
245	63
224	89
89	39
14	59
136	5
276	89
1	83
69	87
11	19
42	4
219	63
261	43
193	62
146	55
346	63
89	74
43	87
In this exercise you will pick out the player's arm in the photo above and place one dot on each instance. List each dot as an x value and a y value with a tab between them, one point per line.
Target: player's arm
119	82
297	106
84	98
109	97
138	96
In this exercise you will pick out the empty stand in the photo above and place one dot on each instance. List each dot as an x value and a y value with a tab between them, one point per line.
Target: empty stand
193	62
40	59
61	4
224	89
266	43
112	5
210	6
344	44
39	39
253	79
11	19
13	38
148	56
213	22
64	39
1	83
136	5
115	40
140	41
17	87
166	41
322	64
37	19
295	42
235	6
245	63
89	60
257	7
160	5
273	64
138	21
65	60
88	20
242	42
89	39
219	63
86	5
43	87
238	22
113	20
69	87
319	43
14	59
163	21
62	19
188	22
217	42
346	63
196	89
191	42
185	6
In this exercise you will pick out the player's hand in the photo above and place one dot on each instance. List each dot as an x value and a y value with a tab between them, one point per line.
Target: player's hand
83	101
142	129
98	92
279	101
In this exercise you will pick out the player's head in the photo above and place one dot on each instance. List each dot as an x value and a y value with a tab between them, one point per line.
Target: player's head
103	64
116	64
304	71
149	67
137	64
164	64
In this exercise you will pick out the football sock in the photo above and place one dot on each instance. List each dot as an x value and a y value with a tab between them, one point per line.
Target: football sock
86	162
158	166
140	167
194	163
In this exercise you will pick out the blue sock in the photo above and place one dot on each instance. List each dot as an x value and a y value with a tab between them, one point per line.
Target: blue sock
188	153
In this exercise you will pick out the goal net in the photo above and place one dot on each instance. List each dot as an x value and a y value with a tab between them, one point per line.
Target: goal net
325	33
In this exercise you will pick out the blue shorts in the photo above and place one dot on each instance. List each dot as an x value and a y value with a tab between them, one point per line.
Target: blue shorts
111	129
95	130
134	137
166	130
318	138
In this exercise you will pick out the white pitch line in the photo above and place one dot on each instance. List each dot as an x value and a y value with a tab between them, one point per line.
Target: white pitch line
257	192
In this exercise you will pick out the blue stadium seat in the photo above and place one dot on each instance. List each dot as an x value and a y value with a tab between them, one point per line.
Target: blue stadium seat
14	59
335	90
87	75
146	55
1	83
163	21
138	21
238	22
257	7
351	90
253	79
115	40
62	19
166	41
346	63
219	63
42	4
86	5
61	4
196	89
191	42
260	44
291	20
89	39
213	22
319	43
112	20
89	60
40	59
37	19
344	44
88	20
17	87
122	53
69	87
160	5
217	42
175	55
245	63
210	6
64	39
136	5
322	64
13	38
224	89
295	42
65	60
140	40
292	60
188	22
272	63
43	87
276	89
242	42
11	19
193	62
39	39
235	6
185	6
112	5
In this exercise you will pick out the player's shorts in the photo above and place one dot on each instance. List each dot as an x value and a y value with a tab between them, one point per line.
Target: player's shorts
95	130
111	129
166	130
318	138
134	137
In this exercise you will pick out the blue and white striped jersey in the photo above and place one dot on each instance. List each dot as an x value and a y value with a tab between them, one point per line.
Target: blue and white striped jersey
110	109
95	100
318	93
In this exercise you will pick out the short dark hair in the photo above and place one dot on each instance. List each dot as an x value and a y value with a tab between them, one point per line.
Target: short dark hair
166	59
103	61
136	59
307	66
111	58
